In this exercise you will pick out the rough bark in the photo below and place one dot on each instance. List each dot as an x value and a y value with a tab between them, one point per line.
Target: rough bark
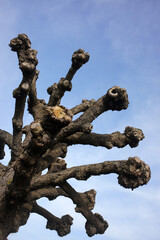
45	148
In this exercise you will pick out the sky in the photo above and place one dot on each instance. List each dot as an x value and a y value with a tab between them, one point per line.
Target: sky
123	40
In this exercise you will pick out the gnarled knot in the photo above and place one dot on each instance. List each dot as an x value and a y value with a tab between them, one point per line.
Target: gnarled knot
39	137
59	113
87	128
79	58
135	174
26	55
62	226
117	98
22	89
28	60
89	199
134	135
21	42
52	88
64	84
36	128
56	117
99	228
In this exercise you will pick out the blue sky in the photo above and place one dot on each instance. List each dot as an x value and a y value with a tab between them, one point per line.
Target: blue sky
123	39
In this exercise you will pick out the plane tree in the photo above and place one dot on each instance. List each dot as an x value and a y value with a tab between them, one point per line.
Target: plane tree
42	145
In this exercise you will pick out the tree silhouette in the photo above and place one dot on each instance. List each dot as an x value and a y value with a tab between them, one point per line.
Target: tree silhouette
45	145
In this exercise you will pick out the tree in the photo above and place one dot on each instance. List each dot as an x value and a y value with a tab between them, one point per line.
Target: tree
45	146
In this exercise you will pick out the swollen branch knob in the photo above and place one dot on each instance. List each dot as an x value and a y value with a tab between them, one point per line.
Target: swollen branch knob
79	58
116	99
135	174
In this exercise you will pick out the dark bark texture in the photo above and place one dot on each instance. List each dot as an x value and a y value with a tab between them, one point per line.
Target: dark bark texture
45	147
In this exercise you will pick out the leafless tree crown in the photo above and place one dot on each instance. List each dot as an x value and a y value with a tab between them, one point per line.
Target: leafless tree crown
45	147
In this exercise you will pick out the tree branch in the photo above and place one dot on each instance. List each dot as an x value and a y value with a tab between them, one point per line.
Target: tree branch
115	99
36	106
52	193
83	106
132	173
27	64
56	91
5	138
33	91
131	137
51	155
49	192
94	221
61	225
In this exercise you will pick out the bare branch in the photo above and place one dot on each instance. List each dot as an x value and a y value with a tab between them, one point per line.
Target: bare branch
61	225
89	199
27	64
49	192
28	135
56	91
33	91
131	137
115	99
134	171
36	106
83	106
51	155
97	225
5	138
52	193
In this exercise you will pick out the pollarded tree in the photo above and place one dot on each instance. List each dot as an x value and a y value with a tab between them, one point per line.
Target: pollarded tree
45	147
